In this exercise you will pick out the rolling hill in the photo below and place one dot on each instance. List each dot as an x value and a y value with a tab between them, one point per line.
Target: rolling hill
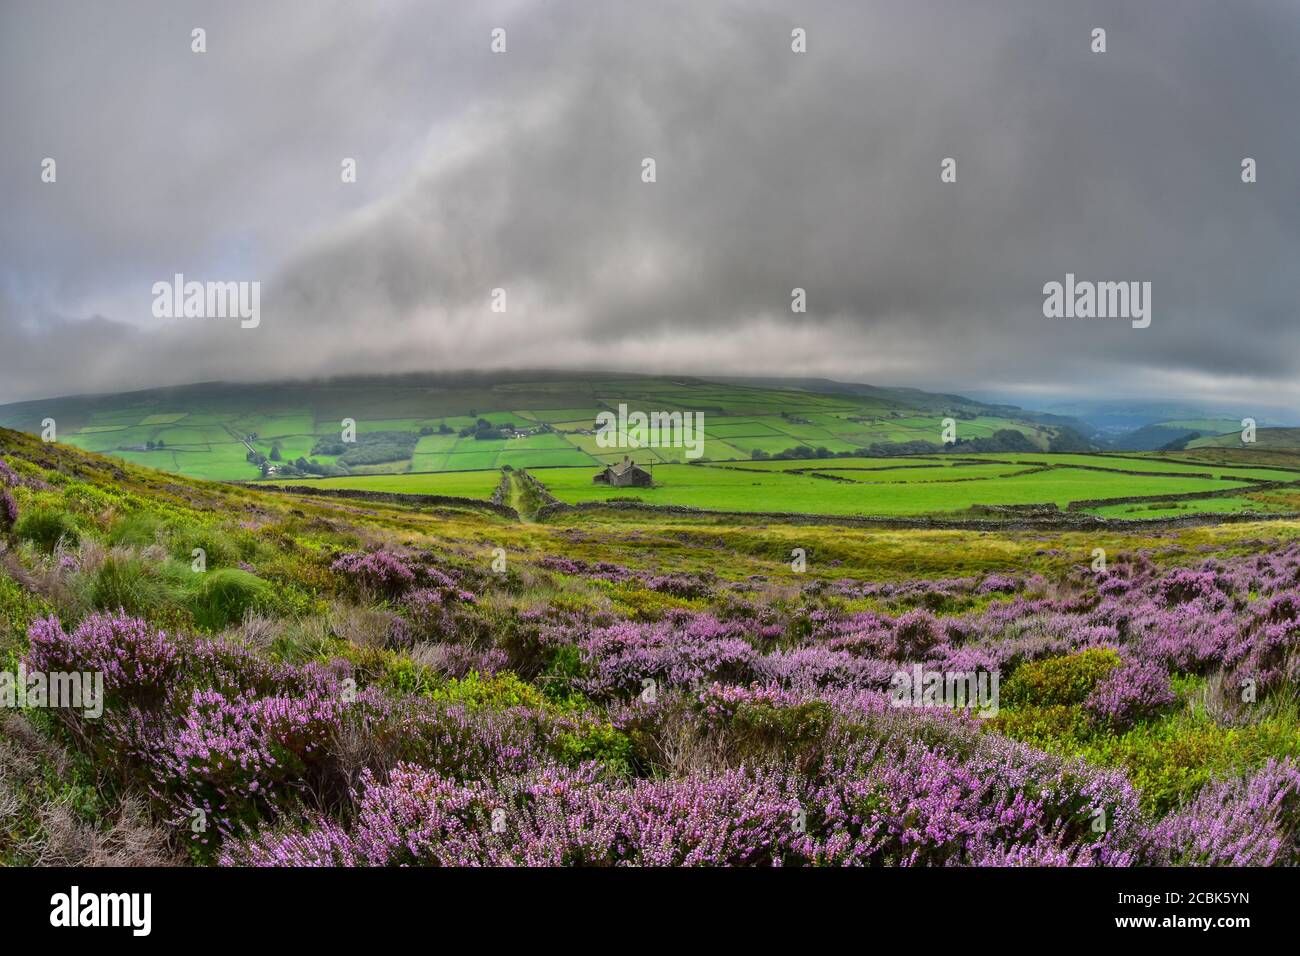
478	421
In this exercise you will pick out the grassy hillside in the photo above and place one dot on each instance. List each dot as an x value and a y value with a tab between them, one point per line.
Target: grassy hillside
418	423
1266	439
340	676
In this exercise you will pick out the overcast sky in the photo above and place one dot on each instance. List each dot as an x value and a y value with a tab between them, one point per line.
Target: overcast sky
775	170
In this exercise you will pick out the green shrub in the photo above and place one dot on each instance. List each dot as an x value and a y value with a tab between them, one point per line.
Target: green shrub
644	605
219	549
1171	759
46	527
224	596
130	584
137	530
602	742
1058	727
794	727
1059	680
18	607
559	680
405	676
89	499
496	692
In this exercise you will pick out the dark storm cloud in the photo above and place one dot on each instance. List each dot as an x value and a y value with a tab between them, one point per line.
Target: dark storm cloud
775	170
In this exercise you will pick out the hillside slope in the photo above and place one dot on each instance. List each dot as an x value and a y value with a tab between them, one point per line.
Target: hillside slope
290	680
436	423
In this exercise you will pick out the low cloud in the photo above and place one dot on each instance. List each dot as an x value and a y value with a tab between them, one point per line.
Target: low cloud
775	170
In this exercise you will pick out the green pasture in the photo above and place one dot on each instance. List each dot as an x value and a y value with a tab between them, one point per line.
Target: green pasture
723	489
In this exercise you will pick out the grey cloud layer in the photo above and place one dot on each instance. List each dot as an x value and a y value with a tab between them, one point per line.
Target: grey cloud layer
775	170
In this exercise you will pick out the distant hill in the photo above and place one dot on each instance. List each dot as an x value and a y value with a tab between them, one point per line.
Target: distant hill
1136	425
1151	438
1279	439
479	420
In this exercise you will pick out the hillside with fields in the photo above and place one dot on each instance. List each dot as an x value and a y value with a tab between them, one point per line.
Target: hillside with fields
425	424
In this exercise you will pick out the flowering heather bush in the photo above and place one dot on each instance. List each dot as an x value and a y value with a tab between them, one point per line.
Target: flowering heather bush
238	757
1184	586
432	613
1186	638
381	572
8	476
681	585
806	667
390	575
682	649
8	510
600	570
915	634
1236	822
999	584
1113	585
914	805
1267	655
136	660
556	818
1131	691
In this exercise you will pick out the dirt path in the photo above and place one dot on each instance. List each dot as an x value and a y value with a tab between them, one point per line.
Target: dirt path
520	500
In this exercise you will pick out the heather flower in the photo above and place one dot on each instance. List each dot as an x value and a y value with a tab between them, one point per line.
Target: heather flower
1236	822
8	510
915	634
1132	691
999	584
680	585
379	571
823	667
557	817
682	649
135	658
1184	586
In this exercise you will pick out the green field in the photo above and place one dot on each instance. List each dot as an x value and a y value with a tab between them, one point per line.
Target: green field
1174	509
729	489
552	420
546	424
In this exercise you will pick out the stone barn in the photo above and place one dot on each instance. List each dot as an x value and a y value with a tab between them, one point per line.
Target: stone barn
626	474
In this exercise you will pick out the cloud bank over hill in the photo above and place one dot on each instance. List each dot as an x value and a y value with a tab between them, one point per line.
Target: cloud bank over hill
775	170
